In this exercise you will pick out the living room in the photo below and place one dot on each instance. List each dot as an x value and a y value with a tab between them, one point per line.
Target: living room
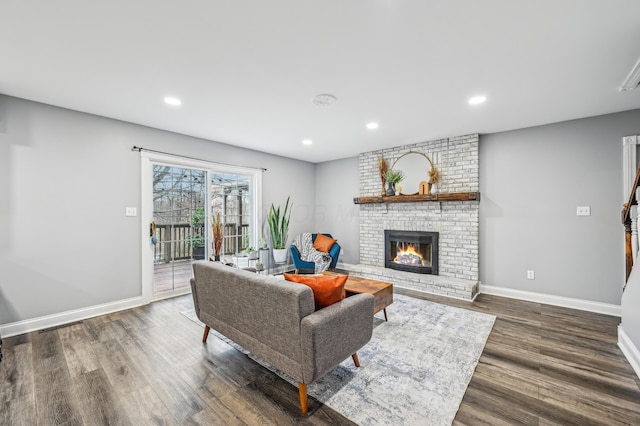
69	252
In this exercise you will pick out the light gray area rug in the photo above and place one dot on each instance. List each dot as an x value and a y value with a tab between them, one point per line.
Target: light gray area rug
414	371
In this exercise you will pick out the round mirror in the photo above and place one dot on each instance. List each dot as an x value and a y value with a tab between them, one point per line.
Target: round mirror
415	166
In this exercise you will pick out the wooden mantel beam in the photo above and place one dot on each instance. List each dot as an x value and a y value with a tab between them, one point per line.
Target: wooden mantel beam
442	197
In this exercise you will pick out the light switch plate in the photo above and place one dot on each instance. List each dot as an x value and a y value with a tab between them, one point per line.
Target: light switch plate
583	211
131	211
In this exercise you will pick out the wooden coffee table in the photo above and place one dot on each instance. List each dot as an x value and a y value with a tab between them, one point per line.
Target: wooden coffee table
382	291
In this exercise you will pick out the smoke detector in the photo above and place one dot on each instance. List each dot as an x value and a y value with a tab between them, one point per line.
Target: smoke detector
324	99
632	80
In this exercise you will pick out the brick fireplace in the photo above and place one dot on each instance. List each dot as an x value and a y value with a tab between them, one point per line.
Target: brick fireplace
455	222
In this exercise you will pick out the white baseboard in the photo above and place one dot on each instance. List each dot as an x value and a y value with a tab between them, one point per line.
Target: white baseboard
548	299
47	321
629	350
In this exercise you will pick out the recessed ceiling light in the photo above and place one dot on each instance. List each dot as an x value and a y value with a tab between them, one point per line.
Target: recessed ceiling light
324	99
477	100
172	101
307	142
372	125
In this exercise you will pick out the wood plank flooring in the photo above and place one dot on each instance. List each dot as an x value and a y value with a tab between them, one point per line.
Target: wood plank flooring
542	365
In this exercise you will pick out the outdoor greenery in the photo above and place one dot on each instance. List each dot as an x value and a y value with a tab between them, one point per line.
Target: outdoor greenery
196	239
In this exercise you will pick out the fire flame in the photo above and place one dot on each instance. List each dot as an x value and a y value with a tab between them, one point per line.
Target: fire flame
408	256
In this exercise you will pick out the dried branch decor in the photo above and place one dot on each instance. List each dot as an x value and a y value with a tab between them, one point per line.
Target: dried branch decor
434	174
216	227
382	167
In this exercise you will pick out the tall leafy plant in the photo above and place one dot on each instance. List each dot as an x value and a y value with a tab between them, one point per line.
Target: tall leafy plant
279	225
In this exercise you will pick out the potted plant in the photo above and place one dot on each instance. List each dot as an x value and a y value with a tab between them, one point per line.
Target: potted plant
250	252
216	227
248	249
392	177
196	239
279	231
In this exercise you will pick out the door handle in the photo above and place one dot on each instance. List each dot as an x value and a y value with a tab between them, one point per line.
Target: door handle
152	231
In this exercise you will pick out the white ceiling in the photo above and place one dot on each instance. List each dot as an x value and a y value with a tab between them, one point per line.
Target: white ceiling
247	71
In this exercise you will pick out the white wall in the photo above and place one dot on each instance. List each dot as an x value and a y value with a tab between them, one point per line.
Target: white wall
65	180
531	181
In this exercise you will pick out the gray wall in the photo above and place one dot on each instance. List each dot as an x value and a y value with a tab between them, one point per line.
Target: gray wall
337	183
65	180
531	181
66	177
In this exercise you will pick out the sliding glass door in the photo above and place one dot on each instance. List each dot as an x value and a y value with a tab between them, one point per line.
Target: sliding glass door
181	198
231	198
180	217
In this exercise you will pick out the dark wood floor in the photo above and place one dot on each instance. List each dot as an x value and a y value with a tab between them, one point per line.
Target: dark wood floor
542	365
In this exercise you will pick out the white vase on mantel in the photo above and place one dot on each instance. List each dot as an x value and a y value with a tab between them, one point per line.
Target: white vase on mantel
280	255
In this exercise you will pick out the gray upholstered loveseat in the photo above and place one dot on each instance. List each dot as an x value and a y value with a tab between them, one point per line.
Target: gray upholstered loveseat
276	320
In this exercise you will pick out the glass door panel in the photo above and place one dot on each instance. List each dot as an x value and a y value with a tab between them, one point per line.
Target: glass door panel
231	197
179	200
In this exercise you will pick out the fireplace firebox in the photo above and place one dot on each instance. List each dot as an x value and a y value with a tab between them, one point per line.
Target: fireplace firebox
411	251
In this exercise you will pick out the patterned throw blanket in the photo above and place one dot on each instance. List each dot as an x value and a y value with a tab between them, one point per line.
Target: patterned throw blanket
308	252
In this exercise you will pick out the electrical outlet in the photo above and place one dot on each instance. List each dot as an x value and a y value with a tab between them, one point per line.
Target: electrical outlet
531	275
131	211
583	211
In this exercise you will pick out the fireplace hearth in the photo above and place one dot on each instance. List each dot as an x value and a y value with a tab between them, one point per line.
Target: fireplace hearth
411	251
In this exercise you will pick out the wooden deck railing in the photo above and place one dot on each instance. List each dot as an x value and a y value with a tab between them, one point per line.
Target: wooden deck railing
627	221
173	240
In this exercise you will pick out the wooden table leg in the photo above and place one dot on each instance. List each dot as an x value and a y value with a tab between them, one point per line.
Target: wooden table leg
302	391
356	361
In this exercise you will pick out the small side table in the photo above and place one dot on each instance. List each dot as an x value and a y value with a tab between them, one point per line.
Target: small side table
263	256
382	291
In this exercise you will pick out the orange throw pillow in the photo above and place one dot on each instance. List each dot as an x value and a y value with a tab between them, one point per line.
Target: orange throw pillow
327	290
323	243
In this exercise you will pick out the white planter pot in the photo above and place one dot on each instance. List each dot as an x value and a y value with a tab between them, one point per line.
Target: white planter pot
280	255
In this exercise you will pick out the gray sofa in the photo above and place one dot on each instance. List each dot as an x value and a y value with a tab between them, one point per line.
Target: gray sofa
276	320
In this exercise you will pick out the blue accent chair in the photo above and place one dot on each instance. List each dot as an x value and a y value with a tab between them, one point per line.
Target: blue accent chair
300	264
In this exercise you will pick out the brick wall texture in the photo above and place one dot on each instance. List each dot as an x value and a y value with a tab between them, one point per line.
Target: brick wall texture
456	222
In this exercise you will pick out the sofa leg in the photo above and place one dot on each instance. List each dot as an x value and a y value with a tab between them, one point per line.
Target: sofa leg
297	270
356	361
206	334
302	390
